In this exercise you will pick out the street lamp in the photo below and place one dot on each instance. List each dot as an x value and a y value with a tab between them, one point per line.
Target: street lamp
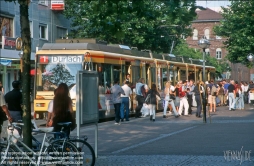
174	35
250	57
204	44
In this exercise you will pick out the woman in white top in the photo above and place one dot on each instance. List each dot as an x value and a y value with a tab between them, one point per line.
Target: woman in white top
245	91
167	92
50	110
239	99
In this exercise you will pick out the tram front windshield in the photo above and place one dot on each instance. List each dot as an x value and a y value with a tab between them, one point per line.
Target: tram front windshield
55	69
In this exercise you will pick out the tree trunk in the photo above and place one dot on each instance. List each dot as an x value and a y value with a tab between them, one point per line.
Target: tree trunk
25	76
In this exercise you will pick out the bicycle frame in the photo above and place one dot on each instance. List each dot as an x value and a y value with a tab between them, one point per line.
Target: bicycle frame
11	142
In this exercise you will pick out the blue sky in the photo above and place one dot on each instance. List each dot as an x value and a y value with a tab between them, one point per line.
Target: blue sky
215	3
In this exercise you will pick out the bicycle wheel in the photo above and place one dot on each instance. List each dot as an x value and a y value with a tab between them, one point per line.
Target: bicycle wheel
86	152
62	152
9	157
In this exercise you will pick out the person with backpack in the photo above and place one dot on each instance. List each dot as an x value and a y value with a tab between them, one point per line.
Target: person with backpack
221	94
152	101
212	93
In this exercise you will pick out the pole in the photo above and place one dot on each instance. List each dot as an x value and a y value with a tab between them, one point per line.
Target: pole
204	95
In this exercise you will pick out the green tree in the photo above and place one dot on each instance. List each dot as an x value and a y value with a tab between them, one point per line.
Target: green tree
26	80
59	74
237	28
131	22
184	50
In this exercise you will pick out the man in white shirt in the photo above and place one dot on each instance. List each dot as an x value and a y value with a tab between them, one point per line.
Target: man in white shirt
245	92
183	98
139	97
125	101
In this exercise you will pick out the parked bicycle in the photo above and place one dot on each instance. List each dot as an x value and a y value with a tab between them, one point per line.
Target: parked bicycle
15	152
53	148
85	149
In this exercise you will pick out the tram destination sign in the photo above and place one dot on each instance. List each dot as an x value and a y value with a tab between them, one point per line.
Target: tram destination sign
67	59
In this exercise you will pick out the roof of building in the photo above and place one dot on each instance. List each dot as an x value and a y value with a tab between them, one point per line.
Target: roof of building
207	15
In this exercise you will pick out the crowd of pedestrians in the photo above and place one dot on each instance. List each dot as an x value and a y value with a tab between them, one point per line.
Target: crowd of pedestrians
181	99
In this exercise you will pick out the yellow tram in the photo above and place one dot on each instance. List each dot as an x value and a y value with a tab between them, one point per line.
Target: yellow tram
59	62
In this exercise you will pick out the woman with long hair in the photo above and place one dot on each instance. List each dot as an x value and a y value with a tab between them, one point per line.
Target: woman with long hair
152	101
239	99
167	92
221	94
62	108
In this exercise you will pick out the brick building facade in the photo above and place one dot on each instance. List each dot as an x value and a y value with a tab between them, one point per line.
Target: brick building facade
203	26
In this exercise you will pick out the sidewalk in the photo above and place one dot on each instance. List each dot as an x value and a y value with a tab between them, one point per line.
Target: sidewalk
176	141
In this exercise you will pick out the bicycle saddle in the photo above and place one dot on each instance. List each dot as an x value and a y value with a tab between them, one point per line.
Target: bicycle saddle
64	124
46	129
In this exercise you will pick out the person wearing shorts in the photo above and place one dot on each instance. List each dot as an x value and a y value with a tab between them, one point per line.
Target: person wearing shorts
212	97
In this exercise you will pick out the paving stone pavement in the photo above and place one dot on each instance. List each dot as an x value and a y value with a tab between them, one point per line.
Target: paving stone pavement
176	141
171	160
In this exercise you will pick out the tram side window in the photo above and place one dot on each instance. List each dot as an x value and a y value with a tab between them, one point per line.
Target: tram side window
110	73
135	73
106	76
153	75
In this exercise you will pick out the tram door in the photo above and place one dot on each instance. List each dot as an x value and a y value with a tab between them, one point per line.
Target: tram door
144	72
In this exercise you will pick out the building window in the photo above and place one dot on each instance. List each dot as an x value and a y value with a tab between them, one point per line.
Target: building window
43	2
61	33
207	51
218	53
195	34
207	33
43	31
6	27
31	28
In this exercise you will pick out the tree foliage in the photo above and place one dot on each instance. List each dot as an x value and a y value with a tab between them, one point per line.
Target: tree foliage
184	50
237	27
58	74
136	23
